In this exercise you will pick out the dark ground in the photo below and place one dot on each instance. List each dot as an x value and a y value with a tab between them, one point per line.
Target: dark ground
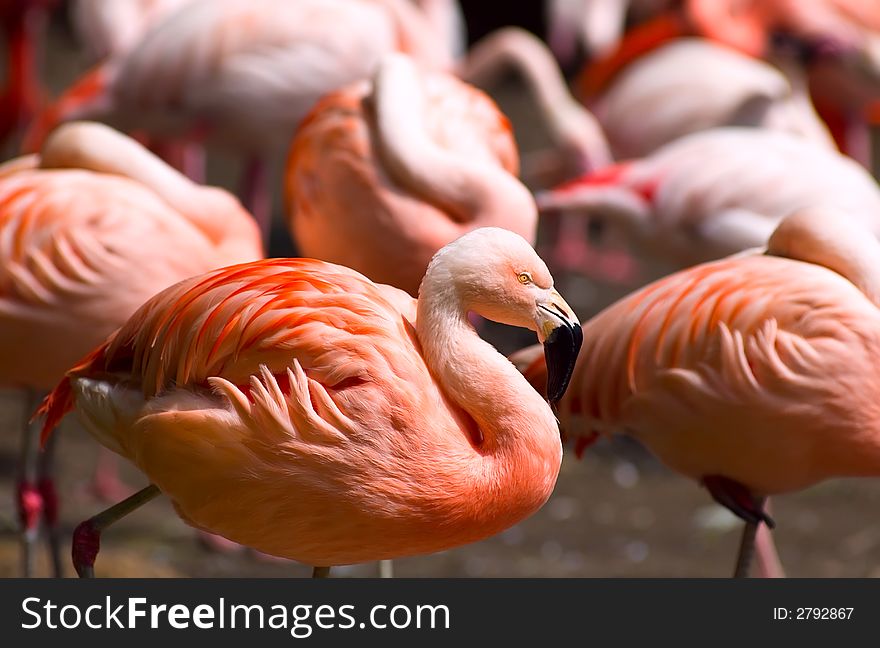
616	513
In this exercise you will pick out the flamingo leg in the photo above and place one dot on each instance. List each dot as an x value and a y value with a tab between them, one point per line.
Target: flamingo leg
29	501
737	498
321	572
256	196
746	550
49	494
386	569
766	556
87	536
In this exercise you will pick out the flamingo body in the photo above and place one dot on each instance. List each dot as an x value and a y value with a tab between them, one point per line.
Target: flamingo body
242	73
758	368
297	407
691	85
719	192
86	238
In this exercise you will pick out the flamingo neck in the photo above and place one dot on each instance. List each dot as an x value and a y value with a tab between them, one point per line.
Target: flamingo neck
570	124
469	191
520	435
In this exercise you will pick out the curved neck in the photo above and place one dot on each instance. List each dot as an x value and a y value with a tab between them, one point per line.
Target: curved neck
520	433
571	125
468	190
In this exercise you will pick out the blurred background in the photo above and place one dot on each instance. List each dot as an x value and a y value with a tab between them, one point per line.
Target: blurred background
615	513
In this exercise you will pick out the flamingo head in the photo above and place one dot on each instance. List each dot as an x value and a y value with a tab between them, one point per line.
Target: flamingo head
496	274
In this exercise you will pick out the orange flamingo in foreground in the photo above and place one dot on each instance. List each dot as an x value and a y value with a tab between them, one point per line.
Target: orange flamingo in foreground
296	407
89	230
240	74
712	194
383	174
754	375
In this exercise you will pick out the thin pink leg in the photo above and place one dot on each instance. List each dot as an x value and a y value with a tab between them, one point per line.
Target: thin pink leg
766	556
256	195
49	493
186	157
28	499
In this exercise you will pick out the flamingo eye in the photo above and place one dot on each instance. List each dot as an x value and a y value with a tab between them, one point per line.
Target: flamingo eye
524	278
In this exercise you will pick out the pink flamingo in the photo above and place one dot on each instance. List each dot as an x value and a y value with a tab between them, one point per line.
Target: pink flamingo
593	26
836	43
714	193
691	85
754	375
384	173
296	407
240	74
111	28
579	145
839	38
23	24
90	229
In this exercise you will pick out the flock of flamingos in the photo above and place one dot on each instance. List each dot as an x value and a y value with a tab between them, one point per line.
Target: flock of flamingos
343	407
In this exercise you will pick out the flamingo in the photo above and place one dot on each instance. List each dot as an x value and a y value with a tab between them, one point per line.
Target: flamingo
294	406
23	24
578	141
447	18
685	86
836	43
384	173
596	26
839	39
90	229
240	74
715	193
691	85
754	375
111	28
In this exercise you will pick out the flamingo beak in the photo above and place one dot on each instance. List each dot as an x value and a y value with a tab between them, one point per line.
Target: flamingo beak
560	332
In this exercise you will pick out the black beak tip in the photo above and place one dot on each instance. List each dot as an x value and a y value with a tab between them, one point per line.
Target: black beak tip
561	350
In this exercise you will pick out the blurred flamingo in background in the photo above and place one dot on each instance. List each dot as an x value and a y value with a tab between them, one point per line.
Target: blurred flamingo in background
691	85
384	173
89	230
595	27
446	18
111	28
579	145
712	194
23	24
108	29
296	407
835	43
753	375
839	41
240	74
